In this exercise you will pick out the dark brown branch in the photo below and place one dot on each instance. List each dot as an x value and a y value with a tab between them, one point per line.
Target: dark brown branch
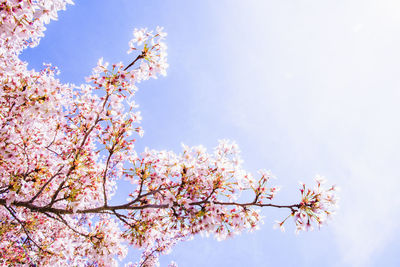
79	150
127	206
144	263
148	193
105	175
122	219
62	220
100	209
136	59
28	237
4	190
46	184
291	207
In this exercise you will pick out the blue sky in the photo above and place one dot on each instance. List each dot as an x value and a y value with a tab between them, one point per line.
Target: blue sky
304	87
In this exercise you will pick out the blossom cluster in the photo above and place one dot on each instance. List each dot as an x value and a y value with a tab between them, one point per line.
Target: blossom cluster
317	205
63	149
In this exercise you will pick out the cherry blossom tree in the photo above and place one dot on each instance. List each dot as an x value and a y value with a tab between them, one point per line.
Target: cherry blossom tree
63	149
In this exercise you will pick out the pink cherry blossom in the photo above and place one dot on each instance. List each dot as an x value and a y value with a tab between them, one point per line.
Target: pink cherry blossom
63	149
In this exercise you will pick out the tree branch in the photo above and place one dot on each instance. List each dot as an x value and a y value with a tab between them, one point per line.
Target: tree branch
45	185
136	59
29	238
128	206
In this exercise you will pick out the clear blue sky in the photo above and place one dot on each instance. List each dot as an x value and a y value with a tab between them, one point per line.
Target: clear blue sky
305	87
